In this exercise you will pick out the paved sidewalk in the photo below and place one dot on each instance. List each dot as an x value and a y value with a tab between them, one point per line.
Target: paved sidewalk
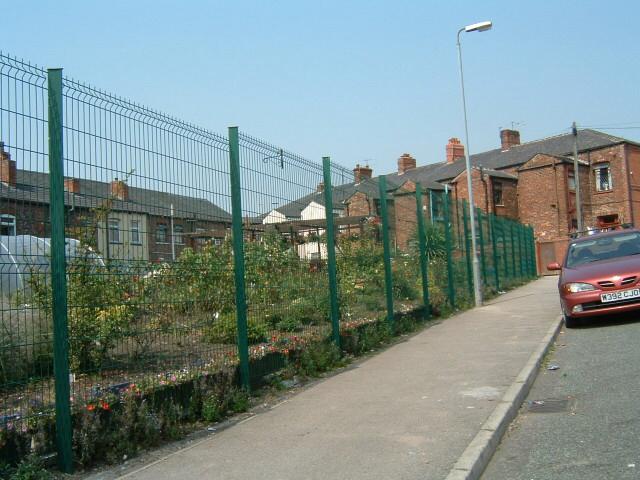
406	413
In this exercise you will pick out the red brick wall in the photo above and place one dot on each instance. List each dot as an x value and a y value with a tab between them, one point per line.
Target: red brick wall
615	201
405	215
360	204
542	198
509	198
633	160
481	191
162	251
31	219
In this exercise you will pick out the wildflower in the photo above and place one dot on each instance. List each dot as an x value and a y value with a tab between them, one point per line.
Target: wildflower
91	407
105	406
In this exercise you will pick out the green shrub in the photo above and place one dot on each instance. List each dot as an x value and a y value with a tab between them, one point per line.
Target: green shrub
366	337
31	468
225	330
99	308
317	358
289	324
239	400
212	409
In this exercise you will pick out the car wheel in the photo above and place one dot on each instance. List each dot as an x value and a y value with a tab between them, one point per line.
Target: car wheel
570	322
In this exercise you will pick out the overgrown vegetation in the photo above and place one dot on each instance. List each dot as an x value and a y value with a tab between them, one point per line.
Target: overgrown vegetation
120	315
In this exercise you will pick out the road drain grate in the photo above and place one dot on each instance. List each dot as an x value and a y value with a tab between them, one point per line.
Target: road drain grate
549	405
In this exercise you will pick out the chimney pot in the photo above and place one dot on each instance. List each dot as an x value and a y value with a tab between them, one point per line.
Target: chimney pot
509	138
8	169
72	185
361	173
119	190
320	187
406	162
455	150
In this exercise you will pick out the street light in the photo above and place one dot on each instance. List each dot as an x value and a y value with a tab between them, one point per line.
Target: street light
477	290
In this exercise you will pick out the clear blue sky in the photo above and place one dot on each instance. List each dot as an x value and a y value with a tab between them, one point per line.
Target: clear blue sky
356	80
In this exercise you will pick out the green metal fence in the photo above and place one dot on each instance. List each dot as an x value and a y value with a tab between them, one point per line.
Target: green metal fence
141	255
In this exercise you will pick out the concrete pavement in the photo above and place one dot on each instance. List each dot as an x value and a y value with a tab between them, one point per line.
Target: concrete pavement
409	412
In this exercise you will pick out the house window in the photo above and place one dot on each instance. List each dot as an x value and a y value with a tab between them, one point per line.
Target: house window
161	233
135	232
178	237
436	201
603	177
571	181
200	238
497	194
114	230
217	241
7	225
605	221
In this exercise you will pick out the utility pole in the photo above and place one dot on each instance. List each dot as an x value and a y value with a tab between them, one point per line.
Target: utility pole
576	177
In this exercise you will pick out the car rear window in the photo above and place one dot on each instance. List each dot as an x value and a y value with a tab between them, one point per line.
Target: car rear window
603	248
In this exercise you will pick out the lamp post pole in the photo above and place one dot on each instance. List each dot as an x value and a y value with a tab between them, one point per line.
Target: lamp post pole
477	286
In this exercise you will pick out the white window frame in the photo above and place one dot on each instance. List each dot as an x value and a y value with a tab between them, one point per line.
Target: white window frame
136	239
598	169
571	180
113	229
165	228
501	190
7	220
178	234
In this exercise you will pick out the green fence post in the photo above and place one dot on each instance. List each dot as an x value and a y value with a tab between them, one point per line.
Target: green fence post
483	262
505	256
447	237
422	247
513	250
388	279
527	252
520	252
534	253
494	249
238	256
59	272
467	246
331	250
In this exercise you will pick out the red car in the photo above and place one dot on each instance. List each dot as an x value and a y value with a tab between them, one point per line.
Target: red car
600	275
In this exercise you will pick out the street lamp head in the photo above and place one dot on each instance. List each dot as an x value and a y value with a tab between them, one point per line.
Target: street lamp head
479	27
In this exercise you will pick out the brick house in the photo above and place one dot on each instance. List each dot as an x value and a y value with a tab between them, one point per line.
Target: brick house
534	182
126	223
361	198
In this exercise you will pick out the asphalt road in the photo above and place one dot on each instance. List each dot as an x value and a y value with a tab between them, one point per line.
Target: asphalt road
589	424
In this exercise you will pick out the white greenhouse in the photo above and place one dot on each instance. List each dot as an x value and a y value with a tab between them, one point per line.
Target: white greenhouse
24	255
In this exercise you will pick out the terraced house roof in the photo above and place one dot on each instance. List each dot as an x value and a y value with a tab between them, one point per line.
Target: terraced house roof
33	187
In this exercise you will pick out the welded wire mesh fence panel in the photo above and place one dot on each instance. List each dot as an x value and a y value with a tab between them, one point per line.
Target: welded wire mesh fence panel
26	347
147	201
149	285
407	280
461	256
359	250
285	248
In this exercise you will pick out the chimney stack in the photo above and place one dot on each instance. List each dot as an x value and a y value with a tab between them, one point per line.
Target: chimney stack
509	138
362	173
72	185
119	190
406	162
320	187
455	150
8	169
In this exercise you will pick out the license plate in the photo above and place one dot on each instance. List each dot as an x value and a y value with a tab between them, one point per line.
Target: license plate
620	295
